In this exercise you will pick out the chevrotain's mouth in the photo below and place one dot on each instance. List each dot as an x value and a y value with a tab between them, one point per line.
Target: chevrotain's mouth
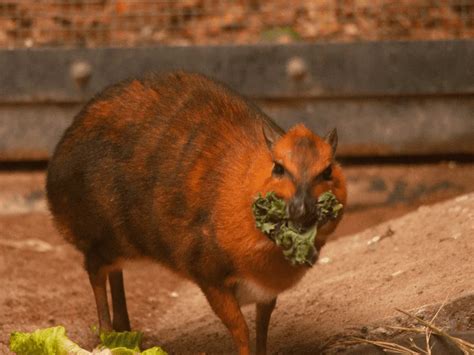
306	224
296	238
315	218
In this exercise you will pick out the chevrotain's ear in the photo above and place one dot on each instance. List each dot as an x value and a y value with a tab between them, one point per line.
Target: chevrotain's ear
271	136
331	138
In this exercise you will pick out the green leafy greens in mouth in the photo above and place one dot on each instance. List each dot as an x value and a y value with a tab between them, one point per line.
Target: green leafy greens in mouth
271	217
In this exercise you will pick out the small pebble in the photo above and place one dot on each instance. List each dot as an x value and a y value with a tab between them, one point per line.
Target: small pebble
174	294
380	331
397	273
374	240
28	43
456	236
325	260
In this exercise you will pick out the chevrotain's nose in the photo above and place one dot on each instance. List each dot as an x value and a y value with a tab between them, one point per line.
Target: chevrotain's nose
302	211
297	209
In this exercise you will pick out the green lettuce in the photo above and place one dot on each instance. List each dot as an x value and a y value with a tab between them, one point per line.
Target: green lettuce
49	341
53	341
271	217
126	340
126	343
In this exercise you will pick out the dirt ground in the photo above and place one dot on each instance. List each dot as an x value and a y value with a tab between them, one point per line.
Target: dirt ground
354	290
131	22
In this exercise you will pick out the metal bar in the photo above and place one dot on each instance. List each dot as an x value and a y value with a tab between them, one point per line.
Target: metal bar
374	69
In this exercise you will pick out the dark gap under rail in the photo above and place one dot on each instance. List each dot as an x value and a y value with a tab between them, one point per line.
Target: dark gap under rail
23	165
406	159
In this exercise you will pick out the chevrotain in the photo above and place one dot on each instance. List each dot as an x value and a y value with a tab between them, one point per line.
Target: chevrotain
166	168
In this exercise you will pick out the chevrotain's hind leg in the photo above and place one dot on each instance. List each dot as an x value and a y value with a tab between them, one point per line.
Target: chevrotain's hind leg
226	307
98	280
119	303
264	312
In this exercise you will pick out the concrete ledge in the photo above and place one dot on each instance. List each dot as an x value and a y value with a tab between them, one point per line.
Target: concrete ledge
367	127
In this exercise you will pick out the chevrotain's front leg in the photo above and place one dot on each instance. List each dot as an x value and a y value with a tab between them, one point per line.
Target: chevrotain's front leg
226	307
264	312
119	303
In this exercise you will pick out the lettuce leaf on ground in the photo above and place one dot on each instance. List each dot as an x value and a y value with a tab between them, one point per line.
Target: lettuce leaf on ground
126	343
53	341
128	340
49	341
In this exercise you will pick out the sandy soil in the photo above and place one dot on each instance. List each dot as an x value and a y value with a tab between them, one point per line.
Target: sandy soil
427	260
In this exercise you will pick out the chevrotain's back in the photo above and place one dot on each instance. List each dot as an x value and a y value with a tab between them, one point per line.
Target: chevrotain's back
139	171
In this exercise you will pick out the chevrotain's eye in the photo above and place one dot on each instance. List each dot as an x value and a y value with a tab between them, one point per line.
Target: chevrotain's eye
327	173
278	170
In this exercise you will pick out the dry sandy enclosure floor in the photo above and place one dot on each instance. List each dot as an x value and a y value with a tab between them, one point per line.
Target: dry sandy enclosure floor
395	248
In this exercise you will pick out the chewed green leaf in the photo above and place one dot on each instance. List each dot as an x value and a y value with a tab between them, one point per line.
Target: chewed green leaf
267	227
328	206
336	208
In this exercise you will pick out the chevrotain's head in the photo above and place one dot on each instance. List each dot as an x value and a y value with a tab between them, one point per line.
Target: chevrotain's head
303	168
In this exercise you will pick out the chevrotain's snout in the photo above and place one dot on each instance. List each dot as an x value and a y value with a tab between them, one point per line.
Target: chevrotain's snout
302	210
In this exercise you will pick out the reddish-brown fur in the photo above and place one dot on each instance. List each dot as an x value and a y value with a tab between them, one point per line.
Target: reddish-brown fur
167	168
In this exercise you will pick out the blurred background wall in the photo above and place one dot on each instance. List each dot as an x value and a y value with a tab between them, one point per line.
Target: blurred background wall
395	77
